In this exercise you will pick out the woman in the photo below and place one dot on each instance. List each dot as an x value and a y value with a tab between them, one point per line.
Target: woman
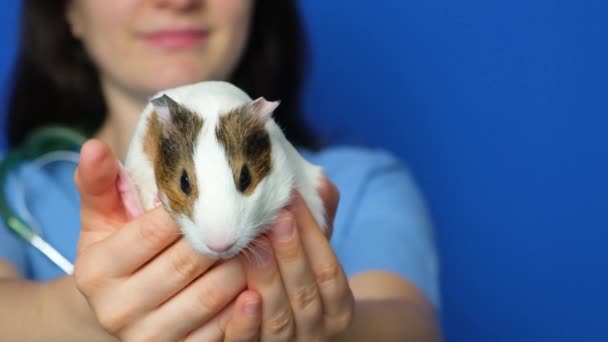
92	65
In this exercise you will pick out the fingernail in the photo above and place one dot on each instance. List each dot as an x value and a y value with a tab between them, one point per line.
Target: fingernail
283	229
252	307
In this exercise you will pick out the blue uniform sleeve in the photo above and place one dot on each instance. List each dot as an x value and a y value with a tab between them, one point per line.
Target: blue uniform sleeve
12	248
387	227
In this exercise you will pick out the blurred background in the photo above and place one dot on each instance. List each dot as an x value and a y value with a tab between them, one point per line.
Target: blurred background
500	109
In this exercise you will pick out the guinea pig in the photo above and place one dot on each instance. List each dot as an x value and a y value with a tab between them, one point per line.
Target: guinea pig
219	164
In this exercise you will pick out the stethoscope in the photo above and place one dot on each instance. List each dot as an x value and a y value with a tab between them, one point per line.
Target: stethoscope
43	146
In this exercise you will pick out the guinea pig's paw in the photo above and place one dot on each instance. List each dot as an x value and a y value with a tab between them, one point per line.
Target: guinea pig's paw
128	194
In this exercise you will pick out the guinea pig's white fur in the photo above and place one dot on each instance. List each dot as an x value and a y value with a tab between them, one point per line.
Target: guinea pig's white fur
221	211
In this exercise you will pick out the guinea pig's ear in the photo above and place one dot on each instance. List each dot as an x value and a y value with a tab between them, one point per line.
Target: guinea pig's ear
163	106
263	108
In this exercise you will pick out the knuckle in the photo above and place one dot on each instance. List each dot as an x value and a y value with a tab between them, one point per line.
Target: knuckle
304	297
152	232
281	325
208	297
82	278
327	273
112	320
340	322
184	263
290	253
87	279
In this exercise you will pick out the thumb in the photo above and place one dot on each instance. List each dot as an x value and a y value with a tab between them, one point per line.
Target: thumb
95	178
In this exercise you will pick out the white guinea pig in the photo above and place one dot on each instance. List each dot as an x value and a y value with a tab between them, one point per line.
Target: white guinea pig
218	163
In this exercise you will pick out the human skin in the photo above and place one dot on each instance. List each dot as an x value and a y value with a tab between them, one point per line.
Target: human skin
386	306
373	304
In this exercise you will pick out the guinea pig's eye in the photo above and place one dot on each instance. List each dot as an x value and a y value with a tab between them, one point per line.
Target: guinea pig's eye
185	183
245	178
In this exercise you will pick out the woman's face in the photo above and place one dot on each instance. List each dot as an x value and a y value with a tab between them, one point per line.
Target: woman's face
143	46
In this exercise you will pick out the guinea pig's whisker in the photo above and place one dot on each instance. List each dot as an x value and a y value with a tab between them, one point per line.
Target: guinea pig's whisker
255	227
264	245
254	255
254	251
247	253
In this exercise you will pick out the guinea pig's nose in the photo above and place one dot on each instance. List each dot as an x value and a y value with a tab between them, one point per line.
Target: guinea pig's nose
220	246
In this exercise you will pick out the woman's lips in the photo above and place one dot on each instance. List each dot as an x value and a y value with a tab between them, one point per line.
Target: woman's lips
176	39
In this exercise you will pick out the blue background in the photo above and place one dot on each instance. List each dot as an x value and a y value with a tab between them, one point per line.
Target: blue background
499	108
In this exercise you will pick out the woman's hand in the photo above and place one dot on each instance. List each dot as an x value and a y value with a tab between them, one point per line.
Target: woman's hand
143	281
305	292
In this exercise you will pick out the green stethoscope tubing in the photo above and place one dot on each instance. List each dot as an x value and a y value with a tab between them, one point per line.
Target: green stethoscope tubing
42	141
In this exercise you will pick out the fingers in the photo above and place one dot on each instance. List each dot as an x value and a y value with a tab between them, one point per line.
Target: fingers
238	322
244	325
336	296
194	306
96	177
145	252
298	280
135	243
263	276
179	265
101	205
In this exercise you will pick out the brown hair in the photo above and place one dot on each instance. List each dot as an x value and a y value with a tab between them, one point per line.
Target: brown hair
54	82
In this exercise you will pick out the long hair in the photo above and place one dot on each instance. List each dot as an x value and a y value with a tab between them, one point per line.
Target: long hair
54	81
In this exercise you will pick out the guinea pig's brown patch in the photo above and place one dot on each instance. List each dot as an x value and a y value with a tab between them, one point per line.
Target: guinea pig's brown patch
170	147
247	145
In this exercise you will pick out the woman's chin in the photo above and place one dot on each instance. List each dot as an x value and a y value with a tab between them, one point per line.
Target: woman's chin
151	83
181	74
181	79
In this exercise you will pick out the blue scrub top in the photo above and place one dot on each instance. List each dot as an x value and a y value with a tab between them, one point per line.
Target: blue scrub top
382	221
